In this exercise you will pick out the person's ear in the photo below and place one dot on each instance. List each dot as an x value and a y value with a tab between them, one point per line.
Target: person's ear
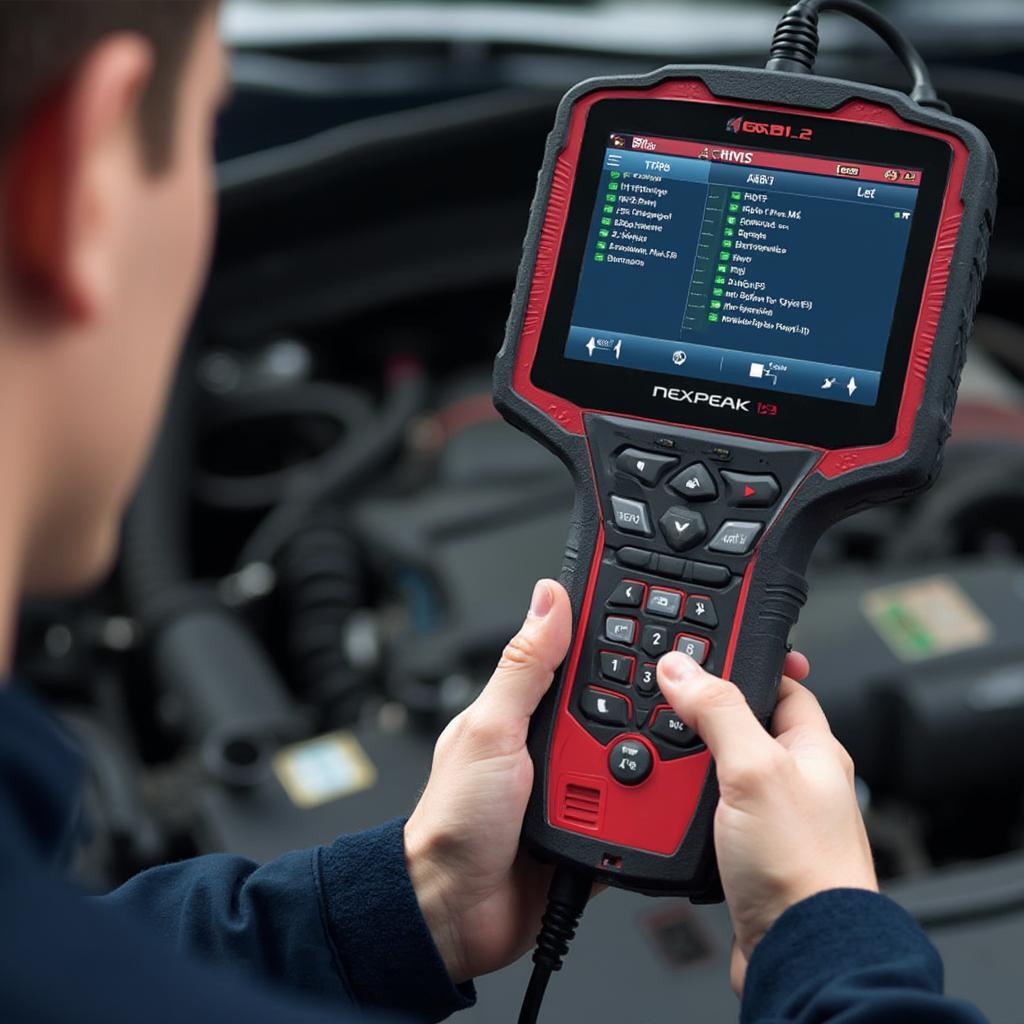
70	167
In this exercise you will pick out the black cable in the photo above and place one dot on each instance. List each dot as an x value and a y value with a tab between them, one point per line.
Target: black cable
567	899
795	43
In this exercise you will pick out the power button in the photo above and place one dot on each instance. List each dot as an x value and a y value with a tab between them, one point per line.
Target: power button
630	762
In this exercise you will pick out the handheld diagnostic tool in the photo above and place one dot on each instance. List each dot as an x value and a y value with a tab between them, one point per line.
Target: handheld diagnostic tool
740	316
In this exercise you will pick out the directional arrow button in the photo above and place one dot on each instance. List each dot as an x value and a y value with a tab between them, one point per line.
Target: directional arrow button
682	528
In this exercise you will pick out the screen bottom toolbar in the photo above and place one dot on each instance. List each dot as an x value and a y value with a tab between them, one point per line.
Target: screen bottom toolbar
724	365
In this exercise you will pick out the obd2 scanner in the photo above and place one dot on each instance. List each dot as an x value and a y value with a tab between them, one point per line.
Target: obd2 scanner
741	315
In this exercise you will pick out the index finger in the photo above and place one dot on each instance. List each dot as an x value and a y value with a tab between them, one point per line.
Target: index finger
798	708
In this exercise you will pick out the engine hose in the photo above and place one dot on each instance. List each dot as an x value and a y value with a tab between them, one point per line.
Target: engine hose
345	407
350	465
322	583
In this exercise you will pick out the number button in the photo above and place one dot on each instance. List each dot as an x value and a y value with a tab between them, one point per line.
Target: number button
696	647
664	603
701	609
630	762
628	594
620	630
647	680
654	640
616	667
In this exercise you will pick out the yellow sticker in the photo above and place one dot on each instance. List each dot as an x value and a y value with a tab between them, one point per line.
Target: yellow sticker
323	769
926	618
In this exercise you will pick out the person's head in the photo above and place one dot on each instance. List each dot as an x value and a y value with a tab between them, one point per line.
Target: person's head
106	116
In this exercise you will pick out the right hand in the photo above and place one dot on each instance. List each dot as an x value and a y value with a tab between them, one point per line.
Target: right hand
787	824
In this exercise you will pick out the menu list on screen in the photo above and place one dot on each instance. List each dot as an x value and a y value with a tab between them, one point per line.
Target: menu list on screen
740	266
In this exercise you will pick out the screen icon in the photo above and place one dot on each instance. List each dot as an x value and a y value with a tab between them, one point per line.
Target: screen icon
757	370
679	357
829	381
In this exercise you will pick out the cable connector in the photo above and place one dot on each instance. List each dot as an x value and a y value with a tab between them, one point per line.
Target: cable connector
567	899
795	44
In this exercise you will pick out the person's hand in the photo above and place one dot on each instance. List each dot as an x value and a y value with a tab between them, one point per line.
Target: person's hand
482	900
788	824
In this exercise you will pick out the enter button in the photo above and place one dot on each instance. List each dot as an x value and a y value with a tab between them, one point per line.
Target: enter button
750	490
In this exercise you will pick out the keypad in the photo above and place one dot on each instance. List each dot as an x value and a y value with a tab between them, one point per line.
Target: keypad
695	647
654	640
647	467
628	594
617	667
682	528
664	603
695	483
701	609
670	727
619	629
750	490
647	679
670	577
603	707
630	762
631	516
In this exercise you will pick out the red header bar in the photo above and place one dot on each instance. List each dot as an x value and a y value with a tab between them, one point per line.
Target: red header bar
759	158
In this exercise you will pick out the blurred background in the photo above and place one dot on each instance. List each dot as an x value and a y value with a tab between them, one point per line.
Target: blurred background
337	535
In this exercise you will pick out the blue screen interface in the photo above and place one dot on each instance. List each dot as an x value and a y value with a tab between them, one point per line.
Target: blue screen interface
761	268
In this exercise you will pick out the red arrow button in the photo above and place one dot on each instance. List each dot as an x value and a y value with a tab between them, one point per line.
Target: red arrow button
748	491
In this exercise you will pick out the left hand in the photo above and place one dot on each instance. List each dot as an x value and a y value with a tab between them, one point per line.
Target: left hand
482	899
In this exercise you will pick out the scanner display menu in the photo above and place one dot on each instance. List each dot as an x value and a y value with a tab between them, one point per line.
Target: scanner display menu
767	269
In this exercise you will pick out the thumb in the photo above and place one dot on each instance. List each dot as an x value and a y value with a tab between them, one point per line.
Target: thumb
530	658
717	711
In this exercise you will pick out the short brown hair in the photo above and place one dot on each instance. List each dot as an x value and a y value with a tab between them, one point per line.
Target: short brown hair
43	41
